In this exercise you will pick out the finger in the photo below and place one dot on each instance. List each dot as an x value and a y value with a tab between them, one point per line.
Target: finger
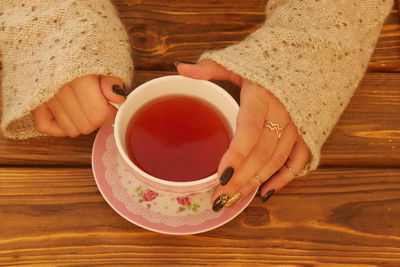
297	160
278	159
269	153
265	146
272	144
62	117
208	70
45	122
91	99
113	89
66	96
249	127
281	153
257	158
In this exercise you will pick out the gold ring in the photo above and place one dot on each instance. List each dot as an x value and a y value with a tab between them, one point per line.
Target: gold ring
291	170
259	179
273	127
233	200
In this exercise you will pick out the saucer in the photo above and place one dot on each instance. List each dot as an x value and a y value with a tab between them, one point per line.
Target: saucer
146	207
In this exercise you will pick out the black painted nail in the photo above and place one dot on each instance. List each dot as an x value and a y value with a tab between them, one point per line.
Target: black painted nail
220	202
226	176
184	62
118	90
268	194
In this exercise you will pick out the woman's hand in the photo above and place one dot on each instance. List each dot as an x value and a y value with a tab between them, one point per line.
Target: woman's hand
80	107
265	149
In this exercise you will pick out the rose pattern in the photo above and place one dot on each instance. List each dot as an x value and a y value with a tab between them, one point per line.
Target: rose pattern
145	195
186	204
183	200
149	195
127	190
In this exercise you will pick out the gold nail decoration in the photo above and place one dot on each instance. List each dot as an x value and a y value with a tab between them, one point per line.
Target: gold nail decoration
233	200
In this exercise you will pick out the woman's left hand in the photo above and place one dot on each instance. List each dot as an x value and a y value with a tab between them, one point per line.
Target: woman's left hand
266	147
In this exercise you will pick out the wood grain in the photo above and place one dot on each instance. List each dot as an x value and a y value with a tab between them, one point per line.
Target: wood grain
386	57
344	214
165	31
368	133
57	216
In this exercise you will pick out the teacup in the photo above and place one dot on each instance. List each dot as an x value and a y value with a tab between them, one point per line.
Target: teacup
167	86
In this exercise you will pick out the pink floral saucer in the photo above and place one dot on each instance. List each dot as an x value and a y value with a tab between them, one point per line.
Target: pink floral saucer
156	211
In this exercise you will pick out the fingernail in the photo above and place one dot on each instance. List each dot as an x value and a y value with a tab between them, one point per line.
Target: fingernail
220	202
118	90
233	200
268	194
226	176
184	62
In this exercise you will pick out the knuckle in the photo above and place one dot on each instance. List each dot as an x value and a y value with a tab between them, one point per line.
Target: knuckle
236	184
254	183
236	155
261	156
264	152
87	129
96	120
73	134
303	151
41	127
279	159
98	117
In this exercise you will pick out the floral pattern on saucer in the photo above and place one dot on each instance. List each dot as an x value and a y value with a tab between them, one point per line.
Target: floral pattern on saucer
144	206
157	207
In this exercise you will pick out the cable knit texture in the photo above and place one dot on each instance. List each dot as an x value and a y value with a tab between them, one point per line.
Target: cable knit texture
311	54
48	43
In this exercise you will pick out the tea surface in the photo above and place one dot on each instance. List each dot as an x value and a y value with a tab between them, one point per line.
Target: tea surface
178	138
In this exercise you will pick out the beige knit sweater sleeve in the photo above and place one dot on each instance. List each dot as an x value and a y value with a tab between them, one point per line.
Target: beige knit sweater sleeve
47	43
311	54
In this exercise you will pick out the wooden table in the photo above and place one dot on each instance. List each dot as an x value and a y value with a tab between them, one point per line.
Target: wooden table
347	212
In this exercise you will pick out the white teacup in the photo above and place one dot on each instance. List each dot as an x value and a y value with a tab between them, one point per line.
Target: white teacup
164	86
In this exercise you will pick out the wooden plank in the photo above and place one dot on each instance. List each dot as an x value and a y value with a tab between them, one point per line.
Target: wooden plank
165	31
368	133
348	216
398	5
386	57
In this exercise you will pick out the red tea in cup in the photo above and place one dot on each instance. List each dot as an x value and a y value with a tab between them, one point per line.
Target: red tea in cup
177	138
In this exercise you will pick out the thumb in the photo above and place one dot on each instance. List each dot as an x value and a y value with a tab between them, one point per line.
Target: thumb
113	89
208	70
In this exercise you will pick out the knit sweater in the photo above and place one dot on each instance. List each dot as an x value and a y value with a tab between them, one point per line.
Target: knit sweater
311	54
47	43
